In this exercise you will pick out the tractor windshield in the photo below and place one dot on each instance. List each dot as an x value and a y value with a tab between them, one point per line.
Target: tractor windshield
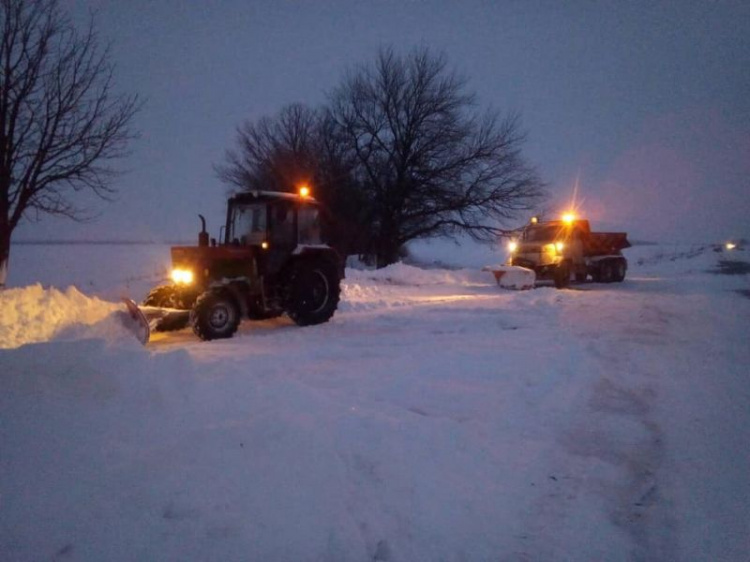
248	224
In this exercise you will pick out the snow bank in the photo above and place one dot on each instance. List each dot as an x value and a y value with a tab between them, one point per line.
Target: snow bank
403	274
35	314
400	285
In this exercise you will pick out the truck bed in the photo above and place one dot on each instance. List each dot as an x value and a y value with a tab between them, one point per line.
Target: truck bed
604	243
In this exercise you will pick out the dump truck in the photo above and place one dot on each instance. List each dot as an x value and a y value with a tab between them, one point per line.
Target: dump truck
271	260
557	250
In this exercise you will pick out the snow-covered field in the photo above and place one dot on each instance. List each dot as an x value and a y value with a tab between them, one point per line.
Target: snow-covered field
435	417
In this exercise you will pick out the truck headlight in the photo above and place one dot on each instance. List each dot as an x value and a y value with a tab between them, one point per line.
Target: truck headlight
512	246
182	276
559	246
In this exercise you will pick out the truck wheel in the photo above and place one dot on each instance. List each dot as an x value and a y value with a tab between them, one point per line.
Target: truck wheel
618	271
605	272
312	293
580	277
562	276
215	316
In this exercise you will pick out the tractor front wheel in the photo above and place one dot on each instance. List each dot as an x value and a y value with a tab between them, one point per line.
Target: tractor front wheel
215	316
313	292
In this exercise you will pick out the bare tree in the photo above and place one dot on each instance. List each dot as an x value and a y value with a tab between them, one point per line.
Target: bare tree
61	125
278	153
296	146
429	164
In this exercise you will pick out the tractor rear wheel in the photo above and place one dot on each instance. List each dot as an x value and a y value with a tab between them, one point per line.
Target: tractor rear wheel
215	315
312	293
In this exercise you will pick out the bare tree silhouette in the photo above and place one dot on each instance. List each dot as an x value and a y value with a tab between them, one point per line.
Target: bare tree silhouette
61	124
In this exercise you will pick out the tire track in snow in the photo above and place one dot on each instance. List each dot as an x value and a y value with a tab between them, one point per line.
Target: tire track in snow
618	426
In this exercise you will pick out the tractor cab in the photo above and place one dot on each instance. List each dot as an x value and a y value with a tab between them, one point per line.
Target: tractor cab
274	224
268	219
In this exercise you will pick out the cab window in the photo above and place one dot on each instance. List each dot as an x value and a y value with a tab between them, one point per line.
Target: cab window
309	226
249	224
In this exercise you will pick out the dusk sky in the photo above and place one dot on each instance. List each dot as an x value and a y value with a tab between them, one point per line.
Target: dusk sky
647	103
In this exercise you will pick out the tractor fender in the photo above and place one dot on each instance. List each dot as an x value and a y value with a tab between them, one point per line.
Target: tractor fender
321	252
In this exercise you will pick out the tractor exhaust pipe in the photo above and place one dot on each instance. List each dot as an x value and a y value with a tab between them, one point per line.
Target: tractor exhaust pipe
203	235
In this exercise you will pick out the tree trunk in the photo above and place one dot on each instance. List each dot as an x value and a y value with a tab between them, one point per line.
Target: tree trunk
4	254
388	253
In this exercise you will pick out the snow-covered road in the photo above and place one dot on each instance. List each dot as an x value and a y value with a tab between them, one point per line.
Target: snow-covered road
435	418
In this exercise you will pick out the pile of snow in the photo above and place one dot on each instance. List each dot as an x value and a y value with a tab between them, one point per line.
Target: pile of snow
35	314
400	285
403	274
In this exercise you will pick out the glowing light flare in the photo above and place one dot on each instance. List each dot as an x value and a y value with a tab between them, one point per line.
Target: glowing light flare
264	245
182	276
534	220
559	246
512	246
568	218
304	191
730	245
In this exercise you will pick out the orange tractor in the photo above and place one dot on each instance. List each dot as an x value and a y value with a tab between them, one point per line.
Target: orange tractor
271	260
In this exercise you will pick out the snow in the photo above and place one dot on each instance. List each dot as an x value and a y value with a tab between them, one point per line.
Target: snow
436	417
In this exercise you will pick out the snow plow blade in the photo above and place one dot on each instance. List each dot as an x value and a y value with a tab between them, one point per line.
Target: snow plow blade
142	320
136	322
165	319
512	276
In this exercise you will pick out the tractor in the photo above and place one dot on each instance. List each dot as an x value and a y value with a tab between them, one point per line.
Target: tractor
271	260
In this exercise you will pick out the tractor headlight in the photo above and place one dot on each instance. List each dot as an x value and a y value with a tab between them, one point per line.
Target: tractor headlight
182	276
512	246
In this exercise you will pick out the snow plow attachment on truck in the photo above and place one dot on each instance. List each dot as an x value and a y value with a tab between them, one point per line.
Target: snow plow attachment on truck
512	276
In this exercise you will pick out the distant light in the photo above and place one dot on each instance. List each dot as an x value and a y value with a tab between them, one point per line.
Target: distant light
730	246
568	218
534	220
264	245
304	191
512	246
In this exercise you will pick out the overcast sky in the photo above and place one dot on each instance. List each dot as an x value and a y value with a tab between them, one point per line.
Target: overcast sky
647	102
